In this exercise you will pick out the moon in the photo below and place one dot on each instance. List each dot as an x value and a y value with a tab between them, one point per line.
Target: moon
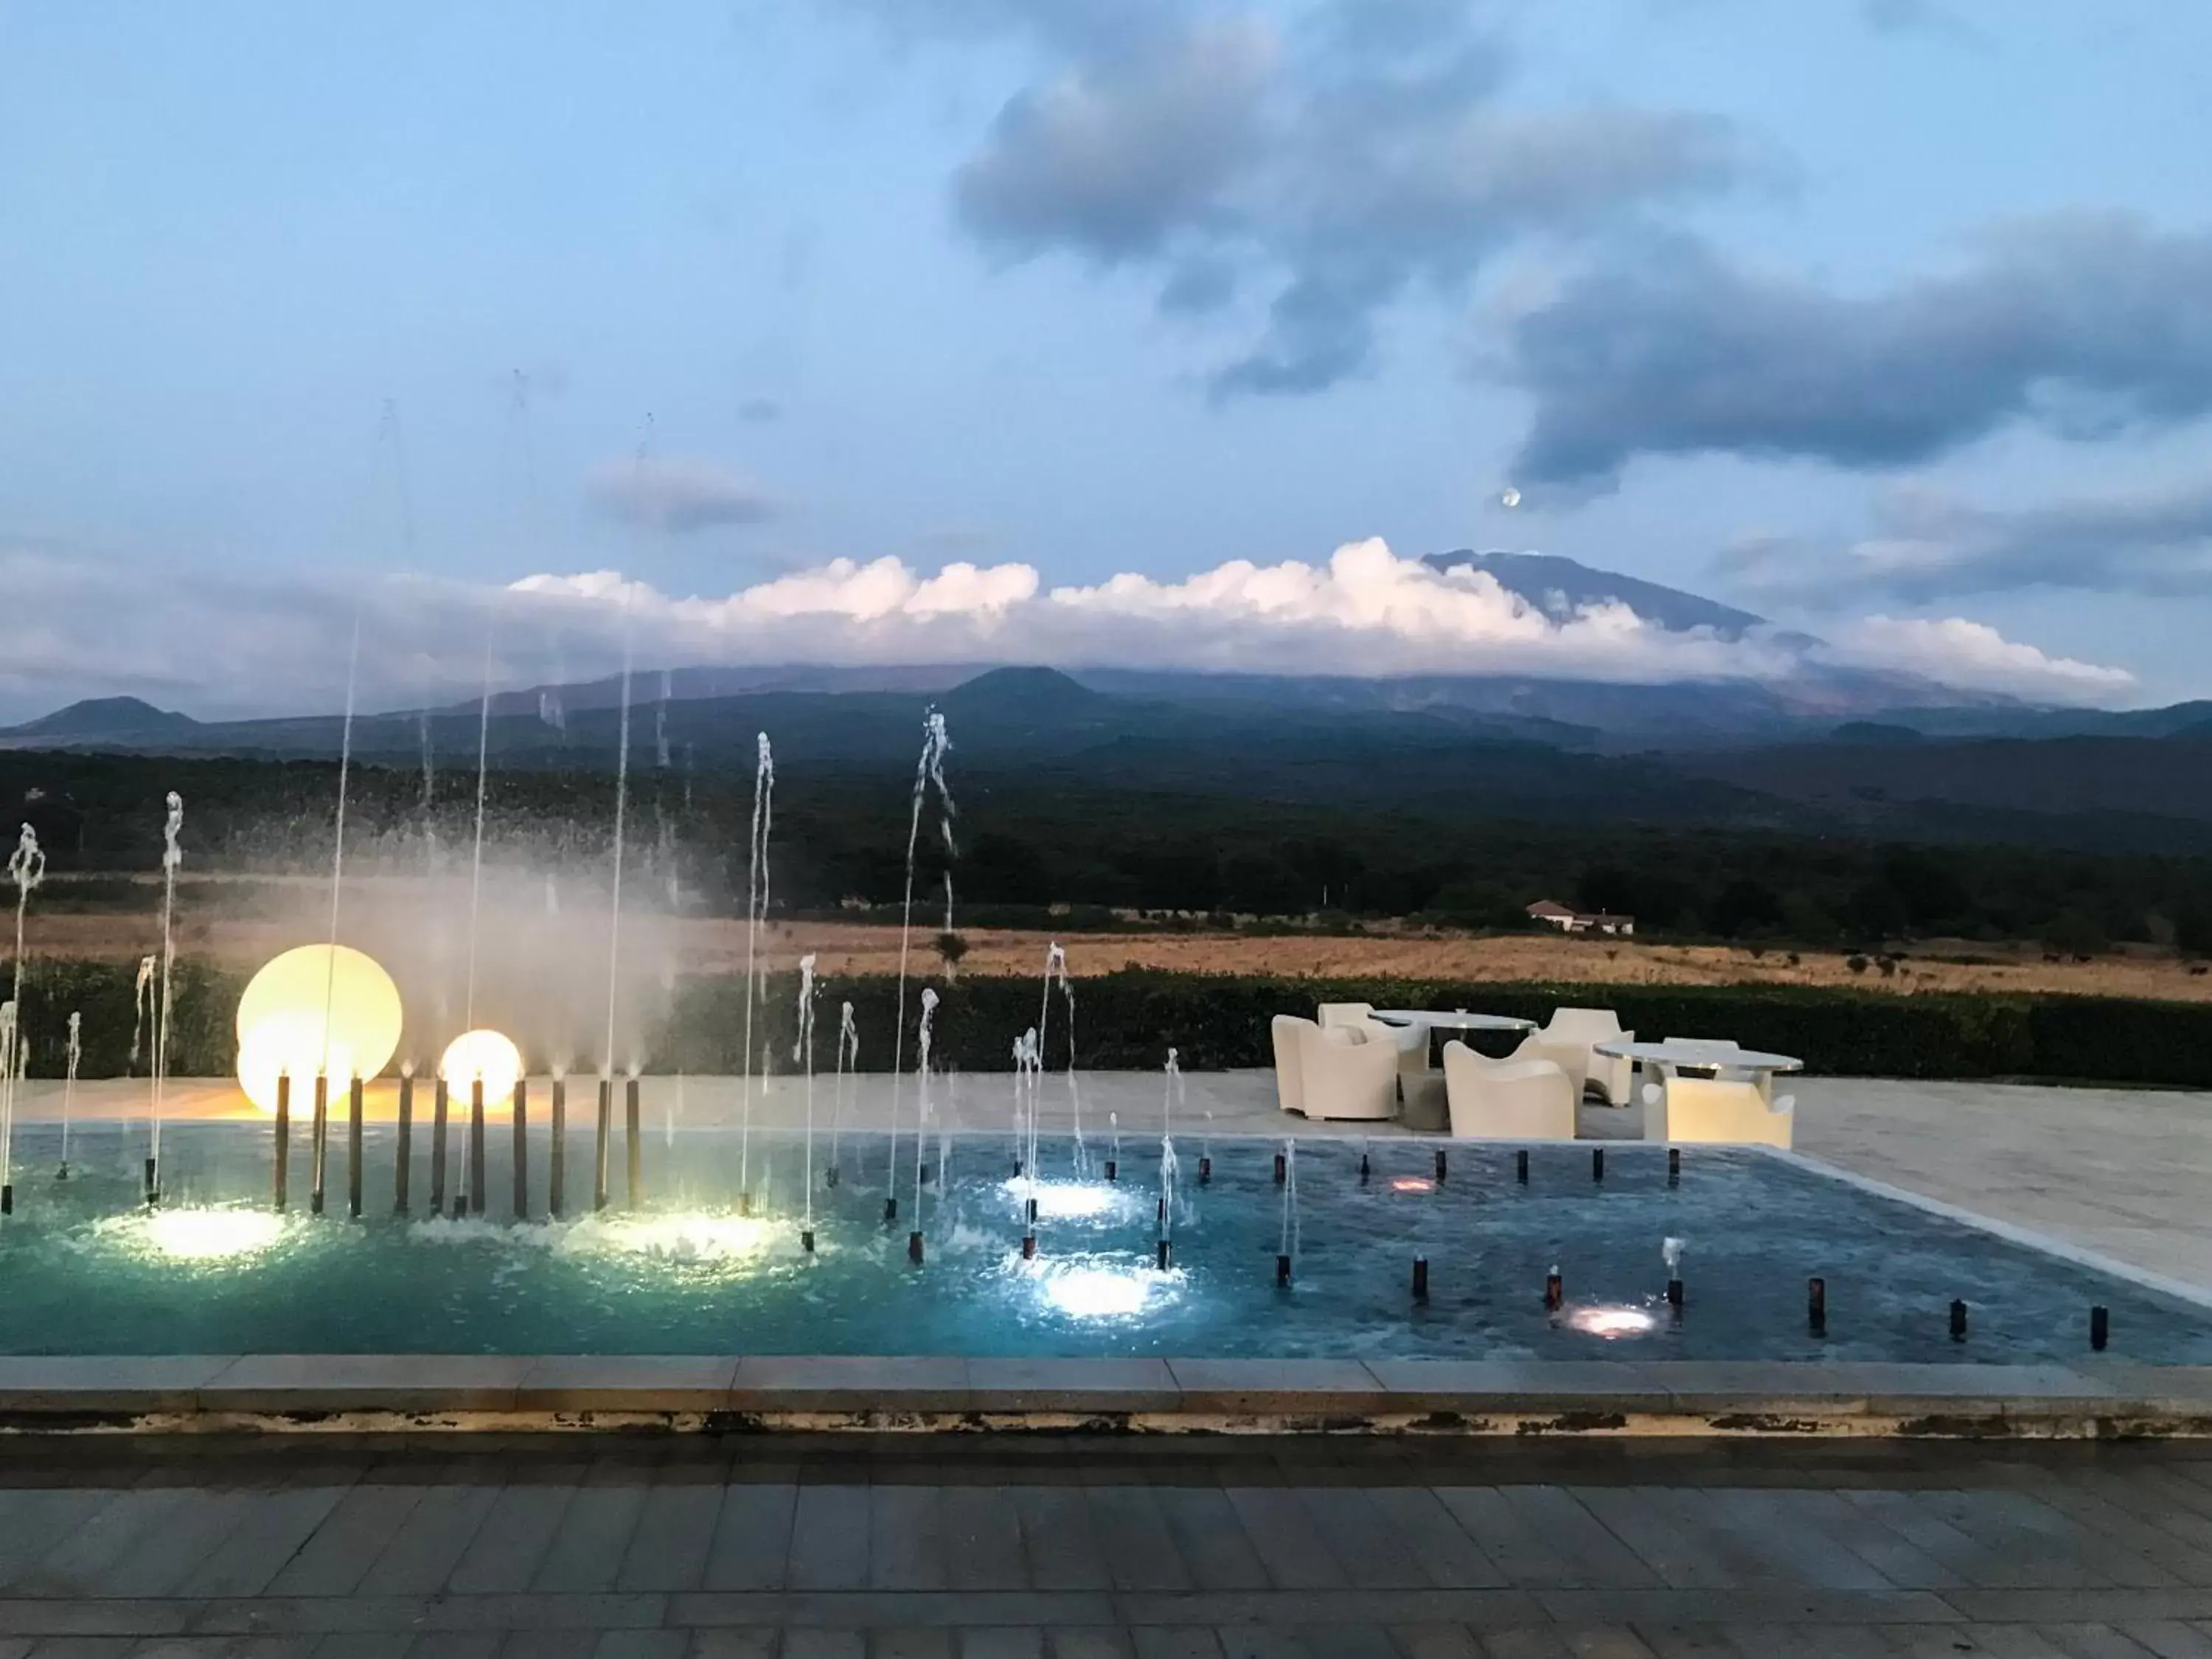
1511	497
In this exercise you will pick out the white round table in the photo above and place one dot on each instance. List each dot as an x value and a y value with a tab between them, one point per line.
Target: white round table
1461	1021
1689	1054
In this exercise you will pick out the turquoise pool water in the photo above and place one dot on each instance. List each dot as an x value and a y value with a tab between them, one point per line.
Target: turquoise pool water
86	1269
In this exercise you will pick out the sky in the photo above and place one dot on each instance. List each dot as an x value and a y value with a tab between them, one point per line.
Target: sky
1157	332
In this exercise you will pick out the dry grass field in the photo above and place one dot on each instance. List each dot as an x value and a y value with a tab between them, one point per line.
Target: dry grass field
718	944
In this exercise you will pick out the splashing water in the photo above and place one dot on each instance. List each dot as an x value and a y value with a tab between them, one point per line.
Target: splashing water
75	1055
26	868
756	896
337	850
1670	1252
803	1050
1082	1153
848	1063
1290	1246
1169	1086
921	1109
621	810
476	855
171	857
928	770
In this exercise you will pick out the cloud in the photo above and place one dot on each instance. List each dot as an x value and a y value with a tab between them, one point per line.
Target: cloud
1359	154
2082	324
84	627
1929	546
1953	651
677	496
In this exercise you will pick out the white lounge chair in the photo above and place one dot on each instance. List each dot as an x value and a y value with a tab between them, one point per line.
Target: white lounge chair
1720	1048
1507	1099
1723	1110
1290	1084
1348	1071
1345	1013
1570	1040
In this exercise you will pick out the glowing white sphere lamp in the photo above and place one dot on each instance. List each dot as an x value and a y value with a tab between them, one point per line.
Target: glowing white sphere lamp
491	1055
321	1008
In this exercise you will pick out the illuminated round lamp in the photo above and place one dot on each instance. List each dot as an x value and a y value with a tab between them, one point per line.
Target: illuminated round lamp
293	992
491	1055
291	1043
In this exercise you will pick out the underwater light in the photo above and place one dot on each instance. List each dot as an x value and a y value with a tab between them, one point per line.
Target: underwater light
1612	1323
321	1008
1067	1200
491	1055
210	1235
1090	1291
1412	1184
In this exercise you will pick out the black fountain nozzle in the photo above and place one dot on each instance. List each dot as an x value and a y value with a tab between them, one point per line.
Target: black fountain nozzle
1674	1165
1281	1169
440	1110
1675	1294
353	1149
1598	1163
476	1196
830	1176
1163	1255
521	1149
633	1144
283	1154
556	1165
1521	1166
745	1204
926	1174
806	1240
599	1147
1420	1279
1958	1322
2100	1327
402	1168
914	1247
62	1173
1555	1291
1033	1212
1160	1208
1113	1169
153	1182
1364	1170
891	1209
1028	1247
1205	1171
1440	1164
7	1198
1282	1270
1816	1306
1018	1169
319	1143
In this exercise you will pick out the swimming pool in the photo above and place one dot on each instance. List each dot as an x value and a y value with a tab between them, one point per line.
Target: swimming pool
87	1270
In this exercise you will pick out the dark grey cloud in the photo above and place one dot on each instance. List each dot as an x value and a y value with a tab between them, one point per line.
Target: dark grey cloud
1928	546
677	496
1360	152
2079	325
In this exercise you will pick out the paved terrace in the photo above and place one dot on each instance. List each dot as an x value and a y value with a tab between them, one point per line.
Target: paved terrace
2125	1173
852	1548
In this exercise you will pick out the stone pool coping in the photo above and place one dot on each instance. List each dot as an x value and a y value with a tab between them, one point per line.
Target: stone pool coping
2095	1398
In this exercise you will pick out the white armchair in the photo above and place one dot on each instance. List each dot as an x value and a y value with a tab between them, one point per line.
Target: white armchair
1507	1099
1345	1072
1726	1110
1345	1013
1570	1040
1290	1082
1720	1048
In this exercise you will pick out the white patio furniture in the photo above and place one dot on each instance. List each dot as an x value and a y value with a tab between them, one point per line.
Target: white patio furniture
1725	1063
1507	1099
1570	1041
1421	1085
1723	1110
1290	1085
1348	1071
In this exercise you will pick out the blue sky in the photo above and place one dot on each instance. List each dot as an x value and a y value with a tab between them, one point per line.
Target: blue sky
1837	310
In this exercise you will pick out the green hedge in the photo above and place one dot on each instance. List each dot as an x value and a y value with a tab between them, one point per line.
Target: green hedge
1127	1020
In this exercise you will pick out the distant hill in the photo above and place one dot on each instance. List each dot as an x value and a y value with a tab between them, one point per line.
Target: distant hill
102	719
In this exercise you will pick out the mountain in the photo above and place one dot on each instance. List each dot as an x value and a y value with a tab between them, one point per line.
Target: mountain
1561	586
102	719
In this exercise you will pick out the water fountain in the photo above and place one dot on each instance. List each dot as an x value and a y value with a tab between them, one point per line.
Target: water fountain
757	902
27	869
802	1052
848	1060
928	771
74	1057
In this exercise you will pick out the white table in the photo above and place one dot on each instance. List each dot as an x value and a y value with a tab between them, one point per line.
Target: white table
1686	1054
1461	1021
